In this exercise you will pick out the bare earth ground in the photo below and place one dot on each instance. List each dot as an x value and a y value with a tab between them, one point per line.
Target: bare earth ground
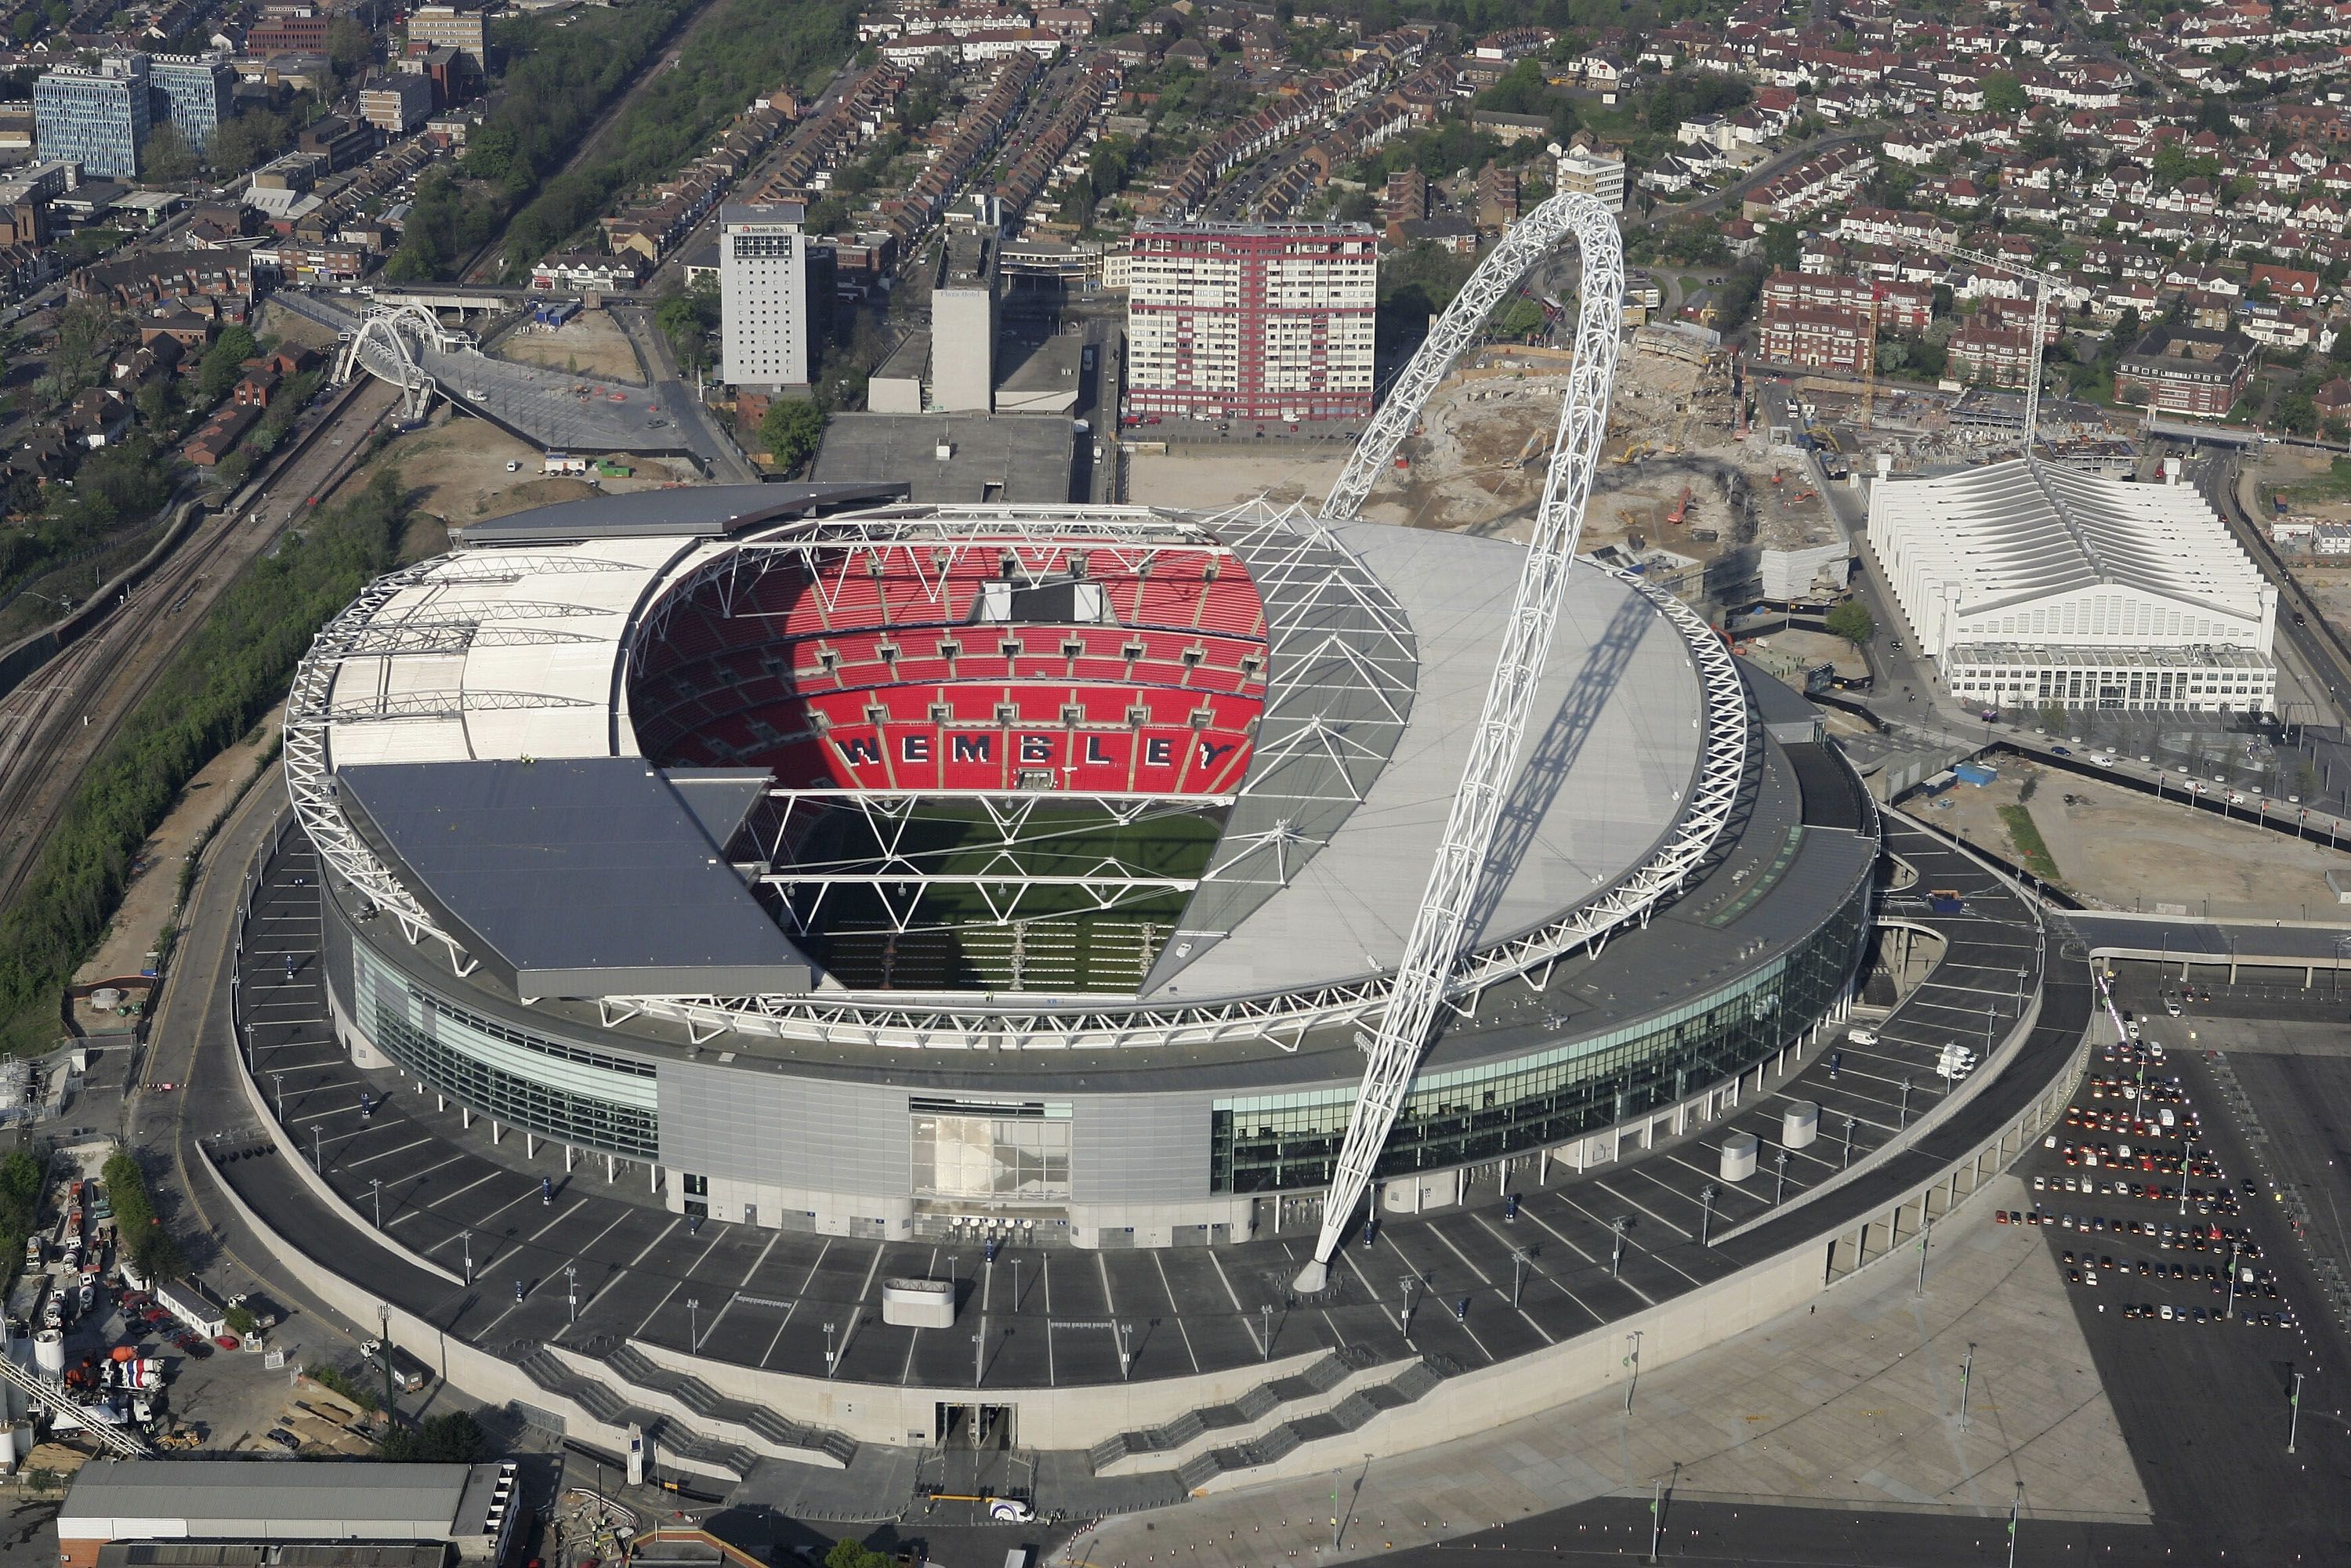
275	321
591	344
1854	1404
1478	458
1214	477
154	889
2117	847
457	471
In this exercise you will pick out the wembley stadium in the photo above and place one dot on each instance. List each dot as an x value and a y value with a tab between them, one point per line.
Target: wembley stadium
896	869
886	870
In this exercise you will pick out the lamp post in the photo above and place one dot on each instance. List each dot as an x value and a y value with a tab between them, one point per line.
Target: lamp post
1518	1274
1780	1187
693	1324
2231	1309
317	1155
278	1082
1706	1196
571	1293
827	1350
1016	1283
1967	1374
384	1342
375	1187
1125	1356
2187	1157
1904	1120
1926	1238
1265	1334
1633	1364
2294	1414
467	1240
1848	1144
1616	1247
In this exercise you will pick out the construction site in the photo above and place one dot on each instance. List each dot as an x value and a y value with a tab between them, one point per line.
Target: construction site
1715	510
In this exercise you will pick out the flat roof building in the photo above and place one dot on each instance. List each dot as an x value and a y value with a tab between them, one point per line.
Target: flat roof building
1252	321
763	305
99	118
2032	584
470	1510
963	323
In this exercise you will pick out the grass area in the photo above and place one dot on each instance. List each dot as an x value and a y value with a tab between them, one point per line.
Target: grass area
1057	938
2031	847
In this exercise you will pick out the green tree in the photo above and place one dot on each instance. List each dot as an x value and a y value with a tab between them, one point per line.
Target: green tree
1852	622
791	430
855	1554
1783	247
2004	94
250	139
223	363
168	158
451	1437
349	44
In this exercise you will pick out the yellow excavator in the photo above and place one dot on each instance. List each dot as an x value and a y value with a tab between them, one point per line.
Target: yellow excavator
1634	451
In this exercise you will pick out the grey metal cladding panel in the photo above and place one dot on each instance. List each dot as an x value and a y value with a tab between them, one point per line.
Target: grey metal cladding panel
1828	866
577	864
1139	1148
740	1122
694	511
1604	772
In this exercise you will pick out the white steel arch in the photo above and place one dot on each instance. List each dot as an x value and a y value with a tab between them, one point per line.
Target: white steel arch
1442	928
388	330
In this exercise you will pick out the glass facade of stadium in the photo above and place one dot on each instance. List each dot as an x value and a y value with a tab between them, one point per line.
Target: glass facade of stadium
861	1156
1278	1142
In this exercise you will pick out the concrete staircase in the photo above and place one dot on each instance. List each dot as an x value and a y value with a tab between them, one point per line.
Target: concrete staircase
1332	1397
676	1441
785	1438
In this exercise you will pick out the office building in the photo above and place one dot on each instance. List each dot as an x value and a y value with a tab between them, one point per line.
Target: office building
1253	321
397	104
2031	584
453	26
99	117
763	294
963	323
194	92
1599	177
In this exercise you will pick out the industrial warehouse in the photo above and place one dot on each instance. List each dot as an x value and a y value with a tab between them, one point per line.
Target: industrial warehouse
2031	583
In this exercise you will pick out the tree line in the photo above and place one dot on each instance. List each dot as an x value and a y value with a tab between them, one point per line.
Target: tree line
231	672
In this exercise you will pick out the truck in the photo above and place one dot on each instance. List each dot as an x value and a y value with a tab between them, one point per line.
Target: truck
408	1373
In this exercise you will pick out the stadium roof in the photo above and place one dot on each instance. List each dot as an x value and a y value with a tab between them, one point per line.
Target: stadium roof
494	665
587	877
1609	759
692	511
2016	531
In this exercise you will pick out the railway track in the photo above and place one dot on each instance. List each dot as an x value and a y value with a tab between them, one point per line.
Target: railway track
54	725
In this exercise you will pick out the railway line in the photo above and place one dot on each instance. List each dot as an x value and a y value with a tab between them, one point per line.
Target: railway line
64	716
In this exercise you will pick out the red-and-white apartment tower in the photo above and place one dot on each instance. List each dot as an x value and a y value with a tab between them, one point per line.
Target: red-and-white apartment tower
1252	321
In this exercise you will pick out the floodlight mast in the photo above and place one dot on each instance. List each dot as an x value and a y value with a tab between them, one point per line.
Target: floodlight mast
1440	930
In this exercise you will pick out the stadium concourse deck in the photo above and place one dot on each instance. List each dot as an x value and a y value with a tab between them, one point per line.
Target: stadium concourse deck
595	1267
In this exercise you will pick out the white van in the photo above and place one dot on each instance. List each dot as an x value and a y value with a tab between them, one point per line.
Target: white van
1860	1037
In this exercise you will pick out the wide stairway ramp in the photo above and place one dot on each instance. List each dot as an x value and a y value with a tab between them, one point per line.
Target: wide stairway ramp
674	1439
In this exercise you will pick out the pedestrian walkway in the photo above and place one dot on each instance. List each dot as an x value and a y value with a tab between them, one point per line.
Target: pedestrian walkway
1854	1404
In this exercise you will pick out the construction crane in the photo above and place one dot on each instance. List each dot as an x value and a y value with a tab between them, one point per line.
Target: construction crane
1442	928
2048	282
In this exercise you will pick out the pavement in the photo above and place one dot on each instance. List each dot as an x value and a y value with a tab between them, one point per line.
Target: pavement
1854	1404
553	409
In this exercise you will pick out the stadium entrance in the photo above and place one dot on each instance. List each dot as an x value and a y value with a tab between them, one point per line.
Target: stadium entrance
988	1426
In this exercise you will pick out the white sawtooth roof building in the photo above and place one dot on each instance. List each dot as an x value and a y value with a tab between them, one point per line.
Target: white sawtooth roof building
2035	556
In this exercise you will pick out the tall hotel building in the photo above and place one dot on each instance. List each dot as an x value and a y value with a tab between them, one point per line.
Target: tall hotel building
1252	321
